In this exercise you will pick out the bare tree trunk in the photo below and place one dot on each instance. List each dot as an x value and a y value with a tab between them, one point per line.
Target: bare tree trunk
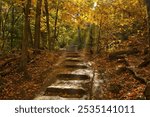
79	38
85	38
48	25
148	21
25	41
29	28
148	25
91	39
55	26
0	19
30	35
99	41
12	25
37	24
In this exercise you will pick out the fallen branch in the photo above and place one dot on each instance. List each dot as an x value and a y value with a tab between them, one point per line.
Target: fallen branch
131	71
121	54
136	76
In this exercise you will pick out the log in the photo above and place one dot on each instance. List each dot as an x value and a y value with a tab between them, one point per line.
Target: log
121	54
115	57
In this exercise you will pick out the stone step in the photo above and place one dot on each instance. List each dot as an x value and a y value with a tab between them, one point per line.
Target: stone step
72	77
65	91
69	86
84	84
72	52
73	56
76	66
58	98
73	60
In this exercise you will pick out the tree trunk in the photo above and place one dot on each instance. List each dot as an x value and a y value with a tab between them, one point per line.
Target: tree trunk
55	26
148	21
29	28
48	25
99	41
37	24
91	39
85	38
0	19
79	38
148	25
12	25
30	35
25	40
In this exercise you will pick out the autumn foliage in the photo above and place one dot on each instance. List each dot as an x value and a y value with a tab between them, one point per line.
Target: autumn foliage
113	34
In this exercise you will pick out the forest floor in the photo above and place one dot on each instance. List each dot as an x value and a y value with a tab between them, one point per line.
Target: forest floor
120	84
125	74
12	83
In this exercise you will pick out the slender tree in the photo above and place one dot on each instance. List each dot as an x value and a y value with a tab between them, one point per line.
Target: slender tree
91	38
29	27
55	25
25	40
47	24
79	38
99	37
148	20
0	18
37	24
12	24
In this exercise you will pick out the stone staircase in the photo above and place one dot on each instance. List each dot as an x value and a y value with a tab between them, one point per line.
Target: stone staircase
73	83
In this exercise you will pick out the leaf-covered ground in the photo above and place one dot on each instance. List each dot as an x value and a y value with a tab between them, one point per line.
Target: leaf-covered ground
120	83
12	83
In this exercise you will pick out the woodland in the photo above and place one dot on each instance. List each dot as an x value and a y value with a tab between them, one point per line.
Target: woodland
112	34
